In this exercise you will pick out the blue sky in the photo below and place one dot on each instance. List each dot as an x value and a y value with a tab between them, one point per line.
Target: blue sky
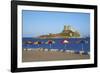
37	23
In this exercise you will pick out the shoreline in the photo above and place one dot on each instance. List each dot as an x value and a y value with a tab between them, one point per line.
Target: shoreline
41	55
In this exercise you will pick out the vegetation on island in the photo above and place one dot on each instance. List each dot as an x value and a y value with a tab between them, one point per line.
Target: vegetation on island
67	32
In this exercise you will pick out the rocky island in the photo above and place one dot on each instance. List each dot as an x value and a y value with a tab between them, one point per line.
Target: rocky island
67	32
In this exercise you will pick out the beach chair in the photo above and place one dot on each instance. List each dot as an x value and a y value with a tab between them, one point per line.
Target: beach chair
46	50
81	52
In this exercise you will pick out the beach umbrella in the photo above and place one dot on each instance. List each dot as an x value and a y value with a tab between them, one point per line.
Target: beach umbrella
82	42
65	42
29	42
50	42
37	43
86	41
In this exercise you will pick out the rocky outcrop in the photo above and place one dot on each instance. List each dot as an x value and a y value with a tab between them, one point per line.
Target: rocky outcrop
67	32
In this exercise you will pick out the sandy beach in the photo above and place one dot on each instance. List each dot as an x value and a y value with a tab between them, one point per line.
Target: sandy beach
31	56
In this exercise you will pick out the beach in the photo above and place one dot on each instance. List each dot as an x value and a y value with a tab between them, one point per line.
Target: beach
40	55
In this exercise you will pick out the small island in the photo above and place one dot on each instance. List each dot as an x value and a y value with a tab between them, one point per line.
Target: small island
67	32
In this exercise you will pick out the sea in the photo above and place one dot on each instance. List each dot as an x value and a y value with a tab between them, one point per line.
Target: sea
76	44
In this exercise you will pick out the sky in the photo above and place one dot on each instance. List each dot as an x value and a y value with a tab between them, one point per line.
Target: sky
36	23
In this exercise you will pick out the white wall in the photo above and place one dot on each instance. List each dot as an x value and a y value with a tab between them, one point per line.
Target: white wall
5	27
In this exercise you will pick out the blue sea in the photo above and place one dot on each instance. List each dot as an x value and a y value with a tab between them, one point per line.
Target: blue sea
75	44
